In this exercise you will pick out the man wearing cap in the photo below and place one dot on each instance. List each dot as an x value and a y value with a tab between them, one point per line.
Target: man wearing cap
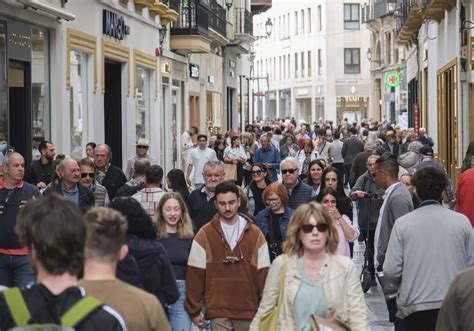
426	153
142	153
392	145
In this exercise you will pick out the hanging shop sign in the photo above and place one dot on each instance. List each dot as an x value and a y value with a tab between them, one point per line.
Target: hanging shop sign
193	70
393	79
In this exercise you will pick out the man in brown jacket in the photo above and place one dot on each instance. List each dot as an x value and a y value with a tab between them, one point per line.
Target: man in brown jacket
227	266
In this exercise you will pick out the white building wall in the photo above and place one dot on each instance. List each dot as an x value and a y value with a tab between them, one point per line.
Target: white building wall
331	39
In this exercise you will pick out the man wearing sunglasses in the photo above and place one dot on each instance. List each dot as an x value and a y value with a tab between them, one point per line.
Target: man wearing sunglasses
69	187
141	153
298	191
227	266
86	167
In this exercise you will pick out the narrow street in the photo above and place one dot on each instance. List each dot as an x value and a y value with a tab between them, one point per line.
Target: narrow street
378	314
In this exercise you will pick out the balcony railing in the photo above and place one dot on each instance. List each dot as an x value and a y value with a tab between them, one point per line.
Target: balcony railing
244	23
173	4
193	18
217	19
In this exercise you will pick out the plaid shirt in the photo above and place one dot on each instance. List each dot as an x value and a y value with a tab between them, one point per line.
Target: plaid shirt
149	198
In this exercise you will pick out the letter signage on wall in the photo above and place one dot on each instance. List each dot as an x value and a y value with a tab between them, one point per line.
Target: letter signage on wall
113	25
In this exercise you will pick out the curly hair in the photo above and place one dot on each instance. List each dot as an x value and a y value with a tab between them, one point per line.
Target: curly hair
184	226
139	222
303	213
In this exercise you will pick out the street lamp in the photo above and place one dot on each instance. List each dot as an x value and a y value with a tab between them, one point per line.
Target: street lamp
268	30
269	27
229	3
162	32
369	55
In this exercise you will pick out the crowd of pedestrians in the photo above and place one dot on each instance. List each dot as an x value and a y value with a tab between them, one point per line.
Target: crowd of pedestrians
256	232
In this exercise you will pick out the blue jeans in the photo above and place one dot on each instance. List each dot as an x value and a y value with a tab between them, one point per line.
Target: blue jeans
179	318
16	270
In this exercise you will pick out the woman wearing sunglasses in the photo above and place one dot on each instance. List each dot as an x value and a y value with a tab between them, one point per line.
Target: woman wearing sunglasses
273	220
255	189
87	180
346	231
315	280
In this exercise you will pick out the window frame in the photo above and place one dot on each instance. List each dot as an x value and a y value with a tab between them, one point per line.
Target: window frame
348	22
347	66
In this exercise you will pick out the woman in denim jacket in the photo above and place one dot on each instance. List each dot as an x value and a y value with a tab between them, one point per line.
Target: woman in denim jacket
273	220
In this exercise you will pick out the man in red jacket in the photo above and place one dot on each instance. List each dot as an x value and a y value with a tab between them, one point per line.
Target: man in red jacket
465	194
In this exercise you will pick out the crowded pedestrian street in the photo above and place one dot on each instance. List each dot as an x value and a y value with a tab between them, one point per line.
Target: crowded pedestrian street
237	165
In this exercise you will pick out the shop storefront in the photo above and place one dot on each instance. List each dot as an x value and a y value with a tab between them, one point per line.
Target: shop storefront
25	112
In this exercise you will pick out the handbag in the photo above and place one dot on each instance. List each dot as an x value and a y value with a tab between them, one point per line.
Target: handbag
323	324
230	170
269	320
389	285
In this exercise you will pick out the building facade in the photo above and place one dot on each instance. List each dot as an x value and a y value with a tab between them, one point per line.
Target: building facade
439	42
389	95
112	71
313	65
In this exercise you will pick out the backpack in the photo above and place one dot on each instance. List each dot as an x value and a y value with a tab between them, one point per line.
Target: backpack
72	317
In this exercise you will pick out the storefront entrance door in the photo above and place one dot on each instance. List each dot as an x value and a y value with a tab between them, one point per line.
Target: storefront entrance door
19	107
113	110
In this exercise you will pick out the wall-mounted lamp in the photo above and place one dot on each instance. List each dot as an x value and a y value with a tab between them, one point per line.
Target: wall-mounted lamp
268	30
229	3
163	30
369	56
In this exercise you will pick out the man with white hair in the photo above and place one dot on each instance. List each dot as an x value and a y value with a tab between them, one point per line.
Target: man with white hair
69	187
424	139
298	192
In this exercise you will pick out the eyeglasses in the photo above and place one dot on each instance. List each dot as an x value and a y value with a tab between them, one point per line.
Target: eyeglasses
285	171
257	172
141	146
308	228
270	201
234	259
85	174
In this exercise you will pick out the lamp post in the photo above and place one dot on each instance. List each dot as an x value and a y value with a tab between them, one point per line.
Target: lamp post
268	30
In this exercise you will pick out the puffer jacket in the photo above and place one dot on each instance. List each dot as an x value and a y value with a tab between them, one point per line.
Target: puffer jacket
344	298
409	161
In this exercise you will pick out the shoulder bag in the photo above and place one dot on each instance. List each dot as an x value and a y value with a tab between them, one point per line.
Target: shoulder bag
268	322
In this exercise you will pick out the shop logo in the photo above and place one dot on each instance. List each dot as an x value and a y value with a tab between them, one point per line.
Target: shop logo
113	25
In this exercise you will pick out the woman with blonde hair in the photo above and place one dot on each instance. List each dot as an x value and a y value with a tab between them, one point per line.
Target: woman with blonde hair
175	232
315	280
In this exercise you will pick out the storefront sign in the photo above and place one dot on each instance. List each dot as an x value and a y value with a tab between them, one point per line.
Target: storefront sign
211	79
193	70
416	118
113	25
472	52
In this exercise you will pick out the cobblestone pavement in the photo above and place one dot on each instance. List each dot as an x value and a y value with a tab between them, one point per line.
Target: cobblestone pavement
378	314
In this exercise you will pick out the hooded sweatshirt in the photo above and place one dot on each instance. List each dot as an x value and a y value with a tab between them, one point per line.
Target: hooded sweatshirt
409	161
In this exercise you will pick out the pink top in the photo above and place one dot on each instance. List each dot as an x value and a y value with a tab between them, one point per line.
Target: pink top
343	246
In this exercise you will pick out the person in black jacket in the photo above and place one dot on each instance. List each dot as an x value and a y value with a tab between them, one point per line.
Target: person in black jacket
107	174
69	186
53	230
147	264
40	172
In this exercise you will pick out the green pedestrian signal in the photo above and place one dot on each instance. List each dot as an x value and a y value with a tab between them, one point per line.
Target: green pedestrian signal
393	79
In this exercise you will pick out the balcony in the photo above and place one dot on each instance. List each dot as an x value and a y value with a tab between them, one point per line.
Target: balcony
172	12
435	9
412	19
140	4
190	33
384	7
243	21
159	7
217	24
259	6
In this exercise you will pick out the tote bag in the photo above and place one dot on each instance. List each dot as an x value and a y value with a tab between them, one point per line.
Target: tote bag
269	320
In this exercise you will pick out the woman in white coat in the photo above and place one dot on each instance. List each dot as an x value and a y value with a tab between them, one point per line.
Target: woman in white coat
316	281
